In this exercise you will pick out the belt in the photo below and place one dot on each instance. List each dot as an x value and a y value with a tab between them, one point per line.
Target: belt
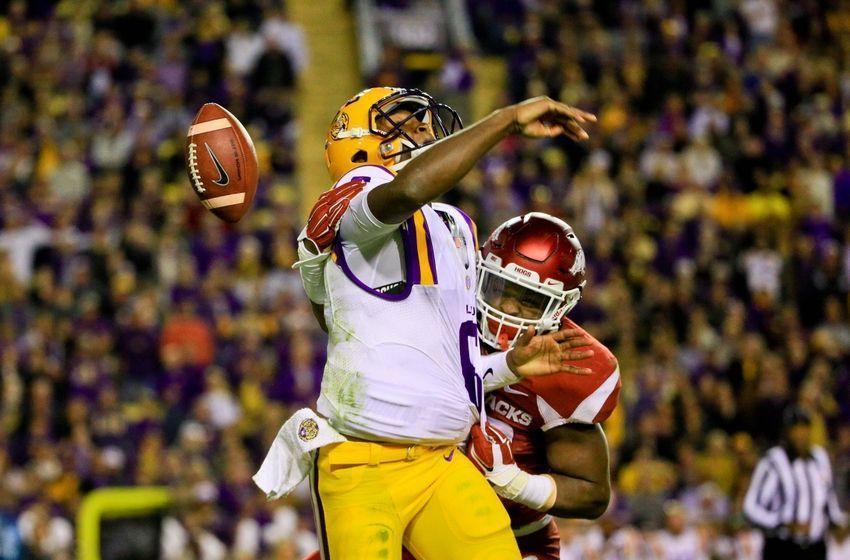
366	453
532	527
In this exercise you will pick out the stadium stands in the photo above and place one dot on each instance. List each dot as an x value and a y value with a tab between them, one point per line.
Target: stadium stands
143	343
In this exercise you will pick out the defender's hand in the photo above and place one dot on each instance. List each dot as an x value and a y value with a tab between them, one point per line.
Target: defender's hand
327	212
542	117
549	353
490	451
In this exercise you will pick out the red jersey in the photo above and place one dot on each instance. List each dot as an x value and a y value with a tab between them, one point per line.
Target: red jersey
525	410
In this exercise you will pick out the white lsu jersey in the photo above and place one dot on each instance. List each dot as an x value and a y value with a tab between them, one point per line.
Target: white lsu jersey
403	355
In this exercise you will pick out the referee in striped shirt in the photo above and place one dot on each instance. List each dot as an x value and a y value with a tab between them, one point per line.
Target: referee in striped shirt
791	496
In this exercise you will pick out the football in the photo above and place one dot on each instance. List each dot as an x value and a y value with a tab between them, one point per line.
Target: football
221	162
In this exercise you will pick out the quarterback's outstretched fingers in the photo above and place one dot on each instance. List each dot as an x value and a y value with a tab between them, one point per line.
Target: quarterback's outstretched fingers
572	112
569	119
572	128
577	132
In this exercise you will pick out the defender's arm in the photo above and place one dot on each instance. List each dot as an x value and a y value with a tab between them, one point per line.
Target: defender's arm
578	457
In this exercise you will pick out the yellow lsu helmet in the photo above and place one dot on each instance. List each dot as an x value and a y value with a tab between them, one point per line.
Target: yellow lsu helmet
364	131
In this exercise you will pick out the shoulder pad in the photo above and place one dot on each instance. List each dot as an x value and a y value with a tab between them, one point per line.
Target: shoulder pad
589	399
372	175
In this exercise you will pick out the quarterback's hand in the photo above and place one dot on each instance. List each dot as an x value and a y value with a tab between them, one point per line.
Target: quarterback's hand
328	211
490	451
542	117
549	353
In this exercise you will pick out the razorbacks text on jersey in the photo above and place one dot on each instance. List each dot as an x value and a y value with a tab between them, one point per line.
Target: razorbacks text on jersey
403	354
525	410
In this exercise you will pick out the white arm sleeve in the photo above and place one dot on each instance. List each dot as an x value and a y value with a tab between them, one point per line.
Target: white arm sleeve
358	225
836	515
760	494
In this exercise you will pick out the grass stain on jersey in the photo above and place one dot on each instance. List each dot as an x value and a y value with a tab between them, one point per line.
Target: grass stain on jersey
339	334
339	331
342	384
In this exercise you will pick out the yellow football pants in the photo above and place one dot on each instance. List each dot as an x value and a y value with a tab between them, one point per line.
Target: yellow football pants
370	499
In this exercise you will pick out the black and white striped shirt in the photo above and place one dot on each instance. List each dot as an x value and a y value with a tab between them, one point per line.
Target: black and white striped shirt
784	492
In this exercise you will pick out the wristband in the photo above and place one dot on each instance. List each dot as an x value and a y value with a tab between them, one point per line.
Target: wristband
536	491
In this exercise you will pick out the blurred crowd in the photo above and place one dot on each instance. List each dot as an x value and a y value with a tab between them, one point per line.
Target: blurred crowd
143	342
713	202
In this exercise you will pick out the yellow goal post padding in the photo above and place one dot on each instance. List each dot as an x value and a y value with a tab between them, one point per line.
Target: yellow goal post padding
114	502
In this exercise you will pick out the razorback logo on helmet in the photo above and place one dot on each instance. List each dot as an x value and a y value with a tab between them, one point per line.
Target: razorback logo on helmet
508	411
579	264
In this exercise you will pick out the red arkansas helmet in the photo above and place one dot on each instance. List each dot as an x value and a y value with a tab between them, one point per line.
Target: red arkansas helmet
531	271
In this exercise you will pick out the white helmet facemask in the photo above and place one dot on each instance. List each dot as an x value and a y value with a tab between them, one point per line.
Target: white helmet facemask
509	301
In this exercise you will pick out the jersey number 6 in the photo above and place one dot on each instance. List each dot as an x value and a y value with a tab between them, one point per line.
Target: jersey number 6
468	342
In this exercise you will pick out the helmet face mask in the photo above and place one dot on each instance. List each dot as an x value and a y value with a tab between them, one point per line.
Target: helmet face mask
508	303
419	106
527	276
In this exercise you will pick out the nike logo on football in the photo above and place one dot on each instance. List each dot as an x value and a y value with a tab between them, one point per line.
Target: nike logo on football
223	178
513	391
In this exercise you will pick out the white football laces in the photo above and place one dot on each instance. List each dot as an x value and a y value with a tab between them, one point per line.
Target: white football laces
193	168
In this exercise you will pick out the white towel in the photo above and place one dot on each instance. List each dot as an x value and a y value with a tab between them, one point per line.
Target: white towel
290	458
